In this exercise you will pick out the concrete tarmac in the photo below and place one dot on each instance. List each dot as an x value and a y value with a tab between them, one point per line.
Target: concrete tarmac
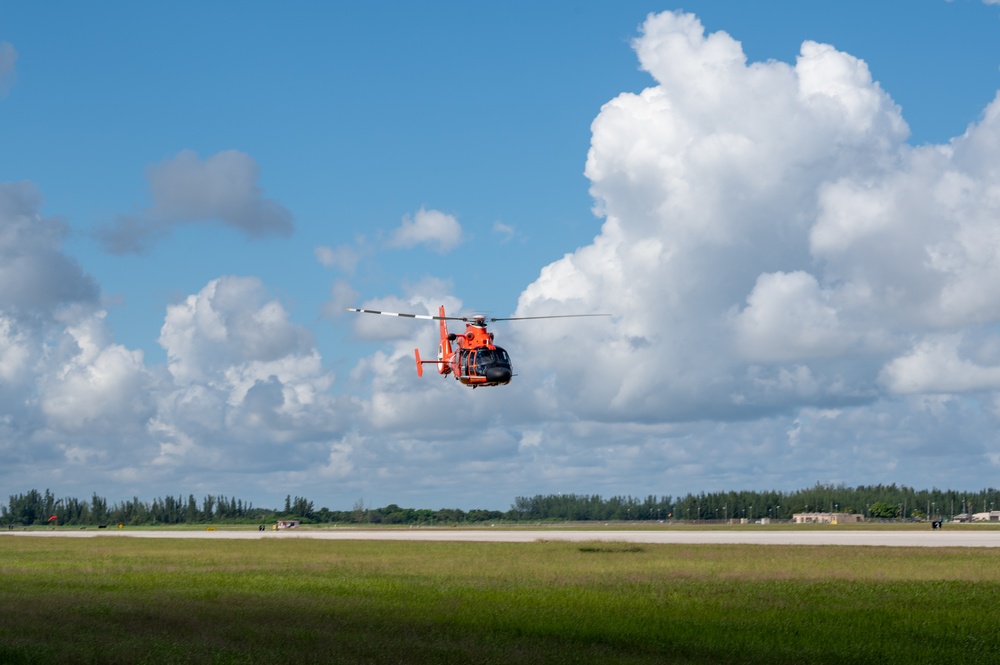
958	536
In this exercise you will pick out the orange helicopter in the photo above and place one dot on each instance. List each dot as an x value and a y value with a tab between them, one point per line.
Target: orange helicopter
477	361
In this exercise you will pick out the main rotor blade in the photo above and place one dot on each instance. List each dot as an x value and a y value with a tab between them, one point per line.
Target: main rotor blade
554	316
469	319
407	316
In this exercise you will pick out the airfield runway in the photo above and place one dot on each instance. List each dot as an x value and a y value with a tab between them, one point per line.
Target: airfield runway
953	537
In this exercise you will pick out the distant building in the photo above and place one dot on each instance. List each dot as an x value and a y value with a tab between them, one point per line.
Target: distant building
992	516
827	518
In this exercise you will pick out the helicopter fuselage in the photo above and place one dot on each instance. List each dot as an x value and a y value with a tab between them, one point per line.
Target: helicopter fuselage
477	361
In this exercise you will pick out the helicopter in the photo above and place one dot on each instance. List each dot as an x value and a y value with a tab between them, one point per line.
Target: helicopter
477	362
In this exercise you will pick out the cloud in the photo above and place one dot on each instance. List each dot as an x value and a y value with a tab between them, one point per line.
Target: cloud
101	388
505	231
344	258
241	375
439	231
228	323
935	365
8	74
188	190
244	389
788	317
65	385
342	296
36	277
771	244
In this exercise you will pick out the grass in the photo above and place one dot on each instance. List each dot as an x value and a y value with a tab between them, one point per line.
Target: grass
124	600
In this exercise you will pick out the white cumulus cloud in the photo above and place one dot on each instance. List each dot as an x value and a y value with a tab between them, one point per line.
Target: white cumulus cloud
230	322
765	214
102	388
439	231
788	317
936	365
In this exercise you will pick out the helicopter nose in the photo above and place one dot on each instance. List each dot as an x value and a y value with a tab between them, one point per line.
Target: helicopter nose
498	375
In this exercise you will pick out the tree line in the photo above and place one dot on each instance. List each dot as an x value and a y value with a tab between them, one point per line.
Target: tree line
36	507
39	508
873	501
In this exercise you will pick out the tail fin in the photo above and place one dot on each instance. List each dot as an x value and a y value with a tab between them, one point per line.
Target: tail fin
444	346
444	351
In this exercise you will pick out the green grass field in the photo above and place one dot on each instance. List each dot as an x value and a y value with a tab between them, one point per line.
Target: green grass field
124	600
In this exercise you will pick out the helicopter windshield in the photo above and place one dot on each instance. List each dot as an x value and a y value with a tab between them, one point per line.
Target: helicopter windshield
486	358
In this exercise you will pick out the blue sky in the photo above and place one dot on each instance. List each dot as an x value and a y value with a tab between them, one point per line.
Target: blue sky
192	195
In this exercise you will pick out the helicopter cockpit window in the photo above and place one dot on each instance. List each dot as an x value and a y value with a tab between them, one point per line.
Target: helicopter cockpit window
501	357
486	358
